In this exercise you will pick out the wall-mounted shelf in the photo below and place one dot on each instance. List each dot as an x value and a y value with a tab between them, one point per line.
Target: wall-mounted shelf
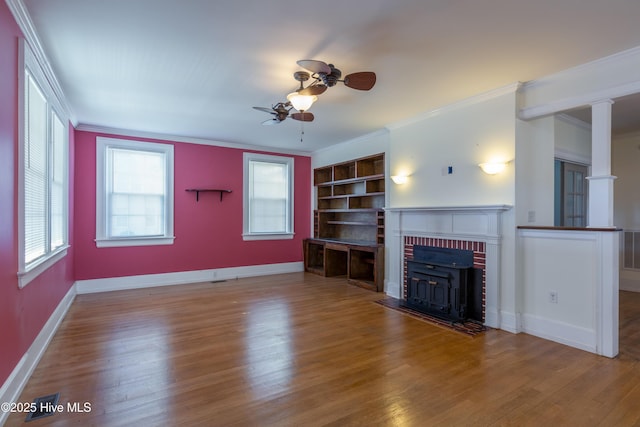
203	190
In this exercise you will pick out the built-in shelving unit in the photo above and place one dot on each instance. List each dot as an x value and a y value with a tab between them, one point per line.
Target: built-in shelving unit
349	222
204	190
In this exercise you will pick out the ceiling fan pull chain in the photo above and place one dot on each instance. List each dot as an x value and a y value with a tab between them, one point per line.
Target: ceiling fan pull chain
301	131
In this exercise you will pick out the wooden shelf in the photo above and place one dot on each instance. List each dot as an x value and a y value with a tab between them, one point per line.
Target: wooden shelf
205	190
348	225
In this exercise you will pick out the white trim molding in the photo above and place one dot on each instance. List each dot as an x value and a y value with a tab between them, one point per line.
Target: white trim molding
481	223
13	386
21	15
90	286
582	267
610	77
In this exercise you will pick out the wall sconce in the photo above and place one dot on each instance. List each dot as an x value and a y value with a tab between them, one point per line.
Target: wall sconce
399	179
492	168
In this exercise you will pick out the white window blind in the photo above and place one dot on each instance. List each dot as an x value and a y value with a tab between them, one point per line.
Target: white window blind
134	193
268	197
35	172
43	175
58	173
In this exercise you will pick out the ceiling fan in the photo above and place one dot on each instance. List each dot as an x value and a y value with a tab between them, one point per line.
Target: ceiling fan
327	75
280	112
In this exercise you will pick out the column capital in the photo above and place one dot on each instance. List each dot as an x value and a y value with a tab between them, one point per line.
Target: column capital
602	101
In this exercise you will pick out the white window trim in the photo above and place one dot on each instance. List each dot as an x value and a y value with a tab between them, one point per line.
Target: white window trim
102	240
27	60
246	233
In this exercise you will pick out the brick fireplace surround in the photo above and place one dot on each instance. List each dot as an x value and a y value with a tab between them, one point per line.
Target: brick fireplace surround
479	256
476	228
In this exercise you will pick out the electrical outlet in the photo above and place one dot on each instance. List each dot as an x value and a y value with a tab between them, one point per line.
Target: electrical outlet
553	297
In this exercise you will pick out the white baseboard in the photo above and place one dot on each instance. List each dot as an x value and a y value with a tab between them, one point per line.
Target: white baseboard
392	289
629	285
13	386
183	277
15	383
509	321
560	332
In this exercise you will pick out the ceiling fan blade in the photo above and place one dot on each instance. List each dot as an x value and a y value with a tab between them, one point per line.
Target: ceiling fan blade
361	81
273	121
303	117
315	66
313	90
266	110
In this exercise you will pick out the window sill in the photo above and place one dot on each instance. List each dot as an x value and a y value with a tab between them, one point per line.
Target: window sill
134	241
26	276
267	236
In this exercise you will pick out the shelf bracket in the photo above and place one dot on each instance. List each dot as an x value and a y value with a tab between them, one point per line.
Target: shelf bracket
198	190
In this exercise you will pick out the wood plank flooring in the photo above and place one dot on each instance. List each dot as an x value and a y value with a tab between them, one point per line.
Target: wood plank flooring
303	350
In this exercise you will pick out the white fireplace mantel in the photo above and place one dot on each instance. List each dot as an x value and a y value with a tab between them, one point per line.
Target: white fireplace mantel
481	223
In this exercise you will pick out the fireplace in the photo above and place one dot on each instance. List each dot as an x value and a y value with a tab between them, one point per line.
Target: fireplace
444	283
475	228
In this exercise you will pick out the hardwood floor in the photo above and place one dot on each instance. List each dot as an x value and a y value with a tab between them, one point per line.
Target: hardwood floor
303	350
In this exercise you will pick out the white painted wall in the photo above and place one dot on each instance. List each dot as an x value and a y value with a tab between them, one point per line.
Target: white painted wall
374	143
610	77
572	140
534	172
559	261
625	158
462	137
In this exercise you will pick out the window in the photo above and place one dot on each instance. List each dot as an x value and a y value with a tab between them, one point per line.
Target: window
134	195
570	194
268	197
43	172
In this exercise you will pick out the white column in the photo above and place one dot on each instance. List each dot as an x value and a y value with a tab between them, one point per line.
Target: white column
601	180
394	253
492	312
607	304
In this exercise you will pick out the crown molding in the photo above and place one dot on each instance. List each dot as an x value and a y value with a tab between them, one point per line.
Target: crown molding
109	131
476	99
574	121
587	66
361	138
585	100
23	19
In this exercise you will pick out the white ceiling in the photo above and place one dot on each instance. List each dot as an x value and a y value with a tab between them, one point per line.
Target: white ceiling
195	68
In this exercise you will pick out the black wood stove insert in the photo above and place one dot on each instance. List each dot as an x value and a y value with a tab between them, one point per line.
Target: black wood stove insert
440	282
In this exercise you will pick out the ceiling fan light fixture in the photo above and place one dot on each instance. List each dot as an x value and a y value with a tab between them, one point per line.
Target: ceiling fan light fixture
301	102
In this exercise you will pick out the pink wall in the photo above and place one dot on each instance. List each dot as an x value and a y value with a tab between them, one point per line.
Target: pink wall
23	312
208	233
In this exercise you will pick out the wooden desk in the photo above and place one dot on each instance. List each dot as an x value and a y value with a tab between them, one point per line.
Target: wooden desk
362	264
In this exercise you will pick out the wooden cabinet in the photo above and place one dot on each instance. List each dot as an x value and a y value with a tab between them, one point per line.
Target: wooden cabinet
362	265
349	222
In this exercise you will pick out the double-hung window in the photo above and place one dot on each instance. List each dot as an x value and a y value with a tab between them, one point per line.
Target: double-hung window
43	172
268	197
134	194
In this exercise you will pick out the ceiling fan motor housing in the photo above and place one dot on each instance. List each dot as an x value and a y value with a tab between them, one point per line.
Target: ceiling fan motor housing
332	78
